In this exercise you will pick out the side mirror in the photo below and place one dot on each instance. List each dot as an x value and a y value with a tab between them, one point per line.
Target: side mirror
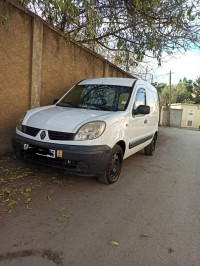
142	109
55	101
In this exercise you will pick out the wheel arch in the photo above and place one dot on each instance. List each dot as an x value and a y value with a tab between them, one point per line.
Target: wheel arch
156	135
122	144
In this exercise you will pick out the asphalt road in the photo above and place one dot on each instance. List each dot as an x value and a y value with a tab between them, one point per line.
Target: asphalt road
152	212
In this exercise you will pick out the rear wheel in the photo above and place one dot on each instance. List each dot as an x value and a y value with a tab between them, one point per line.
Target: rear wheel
149	150
114	166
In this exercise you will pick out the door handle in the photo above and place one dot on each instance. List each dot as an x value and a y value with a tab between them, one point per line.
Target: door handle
145	121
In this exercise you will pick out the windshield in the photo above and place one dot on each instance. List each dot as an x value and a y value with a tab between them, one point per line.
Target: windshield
99	97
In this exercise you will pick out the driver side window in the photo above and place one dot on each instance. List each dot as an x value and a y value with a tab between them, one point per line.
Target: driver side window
140	98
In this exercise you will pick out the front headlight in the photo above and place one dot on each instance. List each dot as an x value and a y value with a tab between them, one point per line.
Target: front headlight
19	122
90	131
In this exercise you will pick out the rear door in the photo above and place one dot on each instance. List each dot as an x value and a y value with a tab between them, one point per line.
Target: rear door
153	117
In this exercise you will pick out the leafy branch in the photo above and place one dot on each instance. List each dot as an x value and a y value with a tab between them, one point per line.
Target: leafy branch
140	28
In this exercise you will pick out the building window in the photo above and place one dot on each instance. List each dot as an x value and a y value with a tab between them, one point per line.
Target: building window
189	123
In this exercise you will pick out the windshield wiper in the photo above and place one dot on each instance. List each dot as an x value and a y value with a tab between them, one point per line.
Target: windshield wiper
105	108
101	107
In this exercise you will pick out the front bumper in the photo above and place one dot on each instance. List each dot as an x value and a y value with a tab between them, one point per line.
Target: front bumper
88	160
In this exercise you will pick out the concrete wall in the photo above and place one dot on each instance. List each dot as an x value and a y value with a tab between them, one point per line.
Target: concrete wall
175	117
36	66
163	116
15	70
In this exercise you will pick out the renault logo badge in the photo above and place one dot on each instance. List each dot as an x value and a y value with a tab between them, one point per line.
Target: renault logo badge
42	134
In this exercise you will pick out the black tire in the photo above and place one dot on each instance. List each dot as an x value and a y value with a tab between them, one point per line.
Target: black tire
113	169
149	150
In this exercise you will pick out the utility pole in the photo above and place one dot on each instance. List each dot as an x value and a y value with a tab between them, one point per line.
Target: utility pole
170	75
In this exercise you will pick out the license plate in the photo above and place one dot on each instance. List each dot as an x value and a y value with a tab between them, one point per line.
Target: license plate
40	151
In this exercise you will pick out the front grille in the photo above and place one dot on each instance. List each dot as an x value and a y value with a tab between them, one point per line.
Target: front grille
53	135
32	131
56	135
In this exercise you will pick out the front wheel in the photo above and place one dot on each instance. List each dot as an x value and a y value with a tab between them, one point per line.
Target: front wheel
114	166
149	150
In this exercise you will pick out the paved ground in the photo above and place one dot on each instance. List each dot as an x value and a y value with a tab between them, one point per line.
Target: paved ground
152	212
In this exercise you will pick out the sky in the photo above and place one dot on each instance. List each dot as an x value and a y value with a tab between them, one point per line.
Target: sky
183	65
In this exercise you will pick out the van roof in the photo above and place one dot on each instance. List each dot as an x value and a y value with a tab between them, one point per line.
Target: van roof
128	82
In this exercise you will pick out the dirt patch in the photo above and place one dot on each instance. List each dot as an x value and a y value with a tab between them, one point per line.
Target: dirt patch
20	182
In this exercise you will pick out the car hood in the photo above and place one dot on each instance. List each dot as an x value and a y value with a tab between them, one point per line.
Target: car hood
63	119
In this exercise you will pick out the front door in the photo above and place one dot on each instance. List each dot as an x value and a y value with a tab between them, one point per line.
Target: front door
137	129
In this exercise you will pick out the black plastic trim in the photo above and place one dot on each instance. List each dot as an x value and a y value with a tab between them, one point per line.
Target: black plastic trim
56	135
137	142
31	131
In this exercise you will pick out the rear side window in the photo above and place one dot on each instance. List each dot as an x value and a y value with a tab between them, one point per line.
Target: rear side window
152	101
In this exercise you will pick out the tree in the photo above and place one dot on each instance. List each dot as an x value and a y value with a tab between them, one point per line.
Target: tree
196	91
164	96
130	29
182	92
159	87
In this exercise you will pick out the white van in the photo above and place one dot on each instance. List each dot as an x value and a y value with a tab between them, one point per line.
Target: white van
92	128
